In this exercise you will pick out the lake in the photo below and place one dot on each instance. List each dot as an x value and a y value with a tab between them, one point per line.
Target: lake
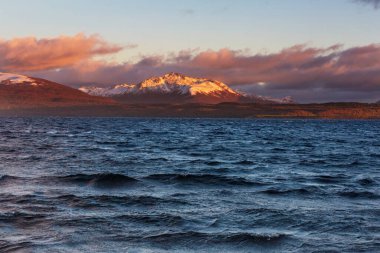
189	185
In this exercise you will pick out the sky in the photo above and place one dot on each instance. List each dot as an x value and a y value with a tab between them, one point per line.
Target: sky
313	50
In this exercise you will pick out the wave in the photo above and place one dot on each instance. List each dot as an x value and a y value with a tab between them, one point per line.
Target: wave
6	179
31	202
102	200
245	162
156	219
103	180
301	191
366	181
158	159
279	149
359	194
165	220
139	200
312	162
21	219
14	247
240	239
253	238
8	150
326	179
213	163
206	179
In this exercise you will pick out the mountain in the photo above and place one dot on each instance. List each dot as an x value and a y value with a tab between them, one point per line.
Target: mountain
18	91
247	98
177	88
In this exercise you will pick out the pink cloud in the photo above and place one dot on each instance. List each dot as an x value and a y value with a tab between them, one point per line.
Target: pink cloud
315	73
30	53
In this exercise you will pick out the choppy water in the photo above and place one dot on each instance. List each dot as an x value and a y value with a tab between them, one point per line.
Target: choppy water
167	185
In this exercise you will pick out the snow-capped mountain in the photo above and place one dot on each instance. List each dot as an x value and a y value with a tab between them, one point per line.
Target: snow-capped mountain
185	85
15	79
18	91
167	84
176	88
249	98
108	92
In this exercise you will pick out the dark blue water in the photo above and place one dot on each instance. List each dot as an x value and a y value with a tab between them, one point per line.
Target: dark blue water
167	185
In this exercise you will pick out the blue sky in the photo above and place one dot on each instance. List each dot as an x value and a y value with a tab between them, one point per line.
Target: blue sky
172	25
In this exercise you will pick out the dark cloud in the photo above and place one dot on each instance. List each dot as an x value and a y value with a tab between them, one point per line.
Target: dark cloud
374	3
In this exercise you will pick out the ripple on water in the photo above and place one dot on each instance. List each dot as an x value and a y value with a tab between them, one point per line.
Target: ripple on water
188	185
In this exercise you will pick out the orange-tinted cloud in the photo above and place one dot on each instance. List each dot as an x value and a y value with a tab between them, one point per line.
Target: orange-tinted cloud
309	74
25	54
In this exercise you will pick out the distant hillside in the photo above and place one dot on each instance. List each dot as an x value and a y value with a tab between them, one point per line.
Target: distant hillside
17	91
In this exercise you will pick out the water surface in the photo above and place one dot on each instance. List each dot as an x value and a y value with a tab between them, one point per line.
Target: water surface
191	185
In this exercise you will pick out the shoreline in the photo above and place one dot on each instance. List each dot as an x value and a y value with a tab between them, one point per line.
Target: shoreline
224	110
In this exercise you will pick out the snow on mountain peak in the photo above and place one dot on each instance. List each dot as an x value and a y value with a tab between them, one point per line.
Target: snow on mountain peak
166	84
185	85
14	79
175	84
108	92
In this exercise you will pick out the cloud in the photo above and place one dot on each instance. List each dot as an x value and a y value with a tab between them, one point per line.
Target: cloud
30	53
374	3
131	46
188	12
308	73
